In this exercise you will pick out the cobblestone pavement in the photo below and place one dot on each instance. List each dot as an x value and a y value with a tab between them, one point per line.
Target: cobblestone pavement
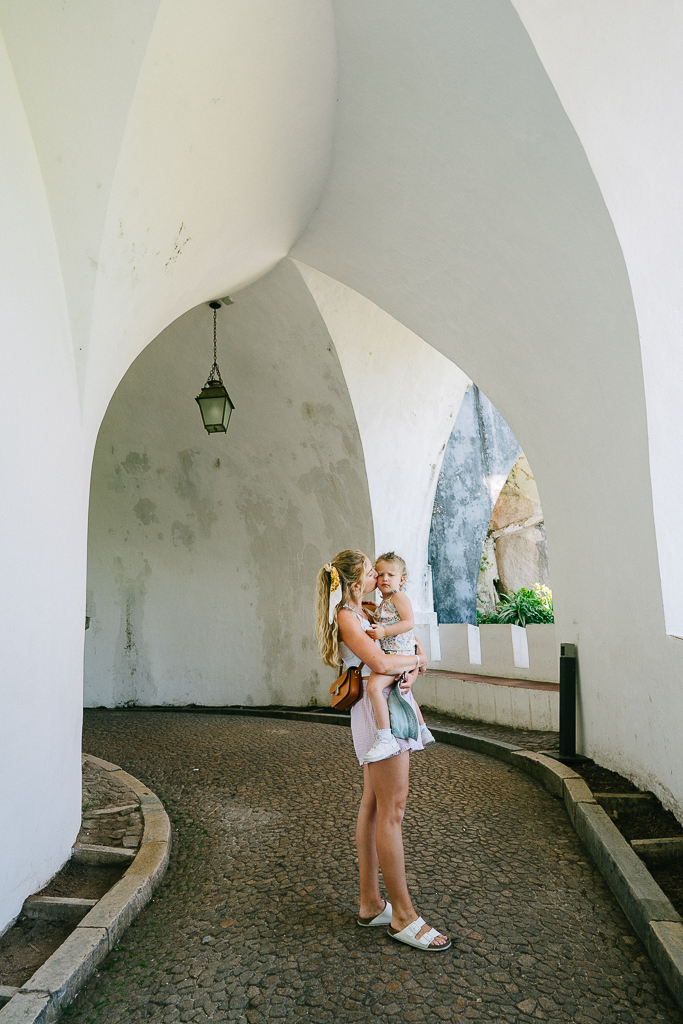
255	920
530	739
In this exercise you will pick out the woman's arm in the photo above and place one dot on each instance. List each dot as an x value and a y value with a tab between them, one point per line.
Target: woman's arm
410	677
357	640
401	603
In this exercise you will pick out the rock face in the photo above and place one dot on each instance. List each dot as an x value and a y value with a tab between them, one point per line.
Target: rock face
522	558
518	499
515	550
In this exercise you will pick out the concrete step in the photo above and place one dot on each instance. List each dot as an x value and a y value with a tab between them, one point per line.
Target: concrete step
101	811
623	802
659	851
57	908
82	853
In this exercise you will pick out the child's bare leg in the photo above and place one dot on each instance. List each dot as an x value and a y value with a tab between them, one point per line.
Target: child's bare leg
420	716
375	685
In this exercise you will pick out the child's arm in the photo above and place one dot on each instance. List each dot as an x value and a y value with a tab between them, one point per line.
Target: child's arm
401	603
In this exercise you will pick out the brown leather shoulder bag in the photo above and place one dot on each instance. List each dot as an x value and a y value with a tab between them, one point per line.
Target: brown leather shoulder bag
348	689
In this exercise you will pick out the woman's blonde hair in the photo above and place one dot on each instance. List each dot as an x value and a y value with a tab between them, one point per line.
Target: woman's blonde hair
391	556
351	568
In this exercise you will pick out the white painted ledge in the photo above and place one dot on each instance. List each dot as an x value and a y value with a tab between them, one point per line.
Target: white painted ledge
509	652
427	631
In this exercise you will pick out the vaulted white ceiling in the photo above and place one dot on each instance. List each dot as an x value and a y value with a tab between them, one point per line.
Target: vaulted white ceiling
182	147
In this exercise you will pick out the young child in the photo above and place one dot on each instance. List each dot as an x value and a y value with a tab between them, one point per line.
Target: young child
394	622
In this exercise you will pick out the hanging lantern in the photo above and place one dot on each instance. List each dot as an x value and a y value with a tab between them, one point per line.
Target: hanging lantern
213	400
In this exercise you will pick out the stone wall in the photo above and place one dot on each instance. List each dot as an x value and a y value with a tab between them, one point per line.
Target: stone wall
479	455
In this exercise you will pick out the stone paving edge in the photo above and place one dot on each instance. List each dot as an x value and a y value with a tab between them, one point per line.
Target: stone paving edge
54	985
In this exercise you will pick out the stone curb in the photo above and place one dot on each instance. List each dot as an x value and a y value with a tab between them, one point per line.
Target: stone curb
651	914
54	985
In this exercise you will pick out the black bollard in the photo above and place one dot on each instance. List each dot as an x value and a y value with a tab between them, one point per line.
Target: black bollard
568	700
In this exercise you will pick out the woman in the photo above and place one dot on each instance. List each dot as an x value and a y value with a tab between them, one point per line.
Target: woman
342	626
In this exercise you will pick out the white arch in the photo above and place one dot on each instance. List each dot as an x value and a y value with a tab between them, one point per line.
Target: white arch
627	108
155	155
406	396
462	202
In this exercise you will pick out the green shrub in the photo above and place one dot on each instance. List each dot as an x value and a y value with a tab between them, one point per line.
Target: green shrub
522	607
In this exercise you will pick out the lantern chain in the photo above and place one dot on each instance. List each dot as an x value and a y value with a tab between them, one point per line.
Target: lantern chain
215	374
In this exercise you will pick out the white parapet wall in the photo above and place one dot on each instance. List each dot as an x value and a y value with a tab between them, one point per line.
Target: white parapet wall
507	652
479	672
534	706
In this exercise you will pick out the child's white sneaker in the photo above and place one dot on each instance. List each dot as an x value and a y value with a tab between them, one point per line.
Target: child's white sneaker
426	736
385	745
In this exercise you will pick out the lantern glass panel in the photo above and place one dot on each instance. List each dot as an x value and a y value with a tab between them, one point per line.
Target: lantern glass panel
213	411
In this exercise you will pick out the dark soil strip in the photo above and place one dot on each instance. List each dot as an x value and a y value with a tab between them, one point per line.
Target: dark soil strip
601	780
670	881
26	946
84	881
650	821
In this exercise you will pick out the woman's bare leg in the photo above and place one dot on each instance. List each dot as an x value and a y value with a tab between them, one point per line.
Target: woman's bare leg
374	687
371	903
389	781
390	788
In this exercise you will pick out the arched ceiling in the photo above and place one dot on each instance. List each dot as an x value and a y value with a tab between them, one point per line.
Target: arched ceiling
183	148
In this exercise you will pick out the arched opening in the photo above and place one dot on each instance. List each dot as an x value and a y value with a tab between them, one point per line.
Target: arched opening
487	536
204	549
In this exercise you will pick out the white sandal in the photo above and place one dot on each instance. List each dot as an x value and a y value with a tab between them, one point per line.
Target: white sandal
408	935
384	917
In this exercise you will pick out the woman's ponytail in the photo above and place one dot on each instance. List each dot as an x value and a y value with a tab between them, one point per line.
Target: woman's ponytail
344	569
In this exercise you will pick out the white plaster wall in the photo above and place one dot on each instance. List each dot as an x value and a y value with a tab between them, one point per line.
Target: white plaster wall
627	107
478	701
406	396
462	203
42	553
204	549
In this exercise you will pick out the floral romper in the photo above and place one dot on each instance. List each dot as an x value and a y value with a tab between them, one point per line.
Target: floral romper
363	721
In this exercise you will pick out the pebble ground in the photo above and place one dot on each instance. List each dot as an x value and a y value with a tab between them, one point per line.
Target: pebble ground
256	918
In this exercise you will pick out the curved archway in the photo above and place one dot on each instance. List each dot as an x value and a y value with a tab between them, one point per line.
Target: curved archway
204	549
469	211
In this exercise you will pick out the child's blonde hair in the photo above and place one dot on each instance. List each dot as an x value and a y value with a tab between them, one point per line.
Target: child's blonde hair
395	559
350	566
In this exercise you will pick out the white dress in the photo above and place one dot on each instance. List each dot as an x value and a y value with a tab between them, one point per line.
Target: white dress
363	721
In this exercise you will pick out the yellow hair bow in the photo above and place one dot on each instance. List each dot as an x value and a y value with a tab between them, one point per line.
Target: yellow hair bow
335	589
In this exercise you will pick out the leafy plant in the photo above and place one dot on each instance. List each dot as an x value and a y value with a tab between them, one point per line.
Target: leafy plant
522	607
